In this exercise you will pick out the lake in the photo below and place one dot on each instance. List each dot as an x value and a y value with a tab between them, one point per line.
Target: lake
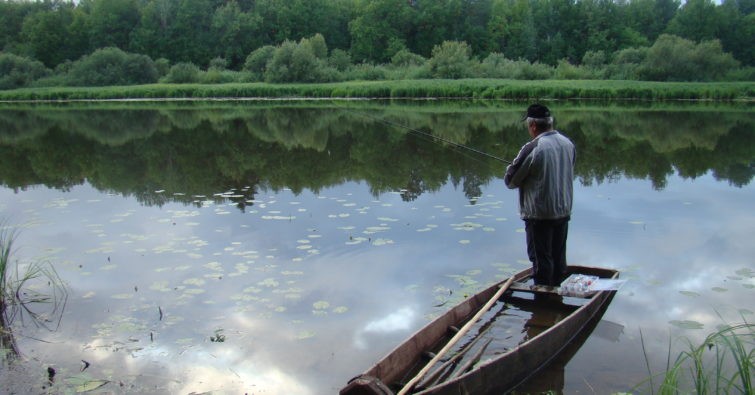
282	247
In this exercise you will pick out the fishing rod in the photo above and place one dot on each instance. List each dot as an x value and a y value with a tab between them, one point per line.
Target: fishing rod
429	135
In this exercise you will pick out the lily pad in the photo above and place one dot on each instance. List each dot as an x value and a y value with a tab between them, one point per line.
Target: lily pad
90	385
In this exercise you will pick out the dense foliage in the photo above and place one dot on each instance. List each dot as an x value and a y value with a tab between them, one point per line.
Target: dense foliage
330	40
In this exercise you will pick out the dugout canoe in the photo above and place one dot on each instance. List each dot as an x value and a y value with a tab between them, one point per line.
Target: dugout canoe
525	329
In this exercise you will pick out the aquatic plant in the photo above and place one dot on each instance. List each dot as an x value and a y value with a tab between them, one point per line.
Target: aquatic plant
724	362
7	236
7	342
33	292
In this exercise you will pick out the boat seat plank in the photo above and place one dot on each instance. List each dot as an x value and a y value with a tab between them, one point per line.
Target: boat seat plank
540	289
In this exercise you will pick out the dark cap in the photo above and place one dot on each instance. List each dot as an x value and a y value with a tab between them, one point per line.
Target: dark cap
537	111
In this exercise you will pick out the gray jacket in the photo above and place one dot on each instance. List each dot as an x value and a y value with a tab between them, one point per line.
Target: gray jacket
544	173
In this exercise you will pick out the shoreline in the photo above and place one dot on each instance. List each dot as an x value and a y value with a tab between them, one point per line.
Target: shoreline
466	89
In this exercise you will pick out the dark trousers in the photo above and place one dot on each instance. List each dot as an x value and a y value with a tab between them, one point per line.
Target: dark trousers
546	247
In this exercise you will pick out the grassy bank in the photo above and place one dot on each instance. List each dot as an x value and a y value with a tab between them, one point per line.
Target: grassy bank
467	88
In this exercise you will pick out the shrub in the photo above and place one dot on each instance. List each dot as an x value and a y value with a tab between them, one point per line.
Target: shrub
626	63
366	72
567	71
673	58
405	58
112	66
182	73
218	63
339	59
163	67
19	72
741	74
317	45
217	76
292	62
256	62
451	60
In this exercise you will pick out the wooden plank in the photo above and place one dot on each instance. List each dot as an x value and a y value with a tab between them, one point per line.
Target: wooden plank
540	289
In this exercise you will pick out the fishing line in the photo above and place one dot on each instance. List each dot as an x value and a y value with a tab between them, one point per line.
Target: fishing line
431	136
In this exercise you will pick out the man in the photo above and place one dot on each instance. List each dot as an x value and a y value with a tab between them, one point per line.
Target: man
544	172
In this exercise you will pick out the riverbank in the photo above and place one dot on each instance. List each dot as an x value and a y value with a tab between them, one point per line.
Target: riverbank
465	88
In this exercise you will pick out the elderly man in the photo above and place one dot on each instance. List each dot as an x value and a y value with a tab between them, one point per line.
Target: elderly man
544	172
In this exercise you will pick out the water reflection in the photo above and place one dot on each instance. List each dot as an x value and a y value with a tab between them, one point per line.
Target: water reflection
315	240
201	150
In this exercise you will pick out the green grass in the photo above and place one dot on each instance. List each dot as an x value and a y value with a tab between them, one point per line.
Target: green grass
7	237
724	363
466	88
24	286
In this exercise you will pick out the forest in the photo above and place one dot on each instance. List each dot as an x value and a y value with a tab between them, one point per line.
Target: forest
125	42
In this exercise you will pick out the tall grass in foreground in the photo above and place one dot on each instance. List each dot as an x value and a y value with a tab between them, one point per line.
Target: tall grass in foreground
7	236
33	292
724	363
7	342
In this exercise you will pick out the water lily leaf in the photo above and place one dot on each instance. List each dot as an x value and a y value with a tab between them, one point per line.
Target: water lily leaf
90	385
689	293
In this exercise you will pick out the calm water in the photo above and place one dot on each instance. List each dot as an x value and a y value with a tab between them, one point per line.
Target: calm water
281	248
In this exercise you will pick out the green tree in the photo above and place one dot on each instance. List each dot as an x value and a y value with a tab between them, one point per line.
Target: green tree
511	29
737	29
111	23
473	27
298	62
434	21
562	39
649	17
45	35
153	34
319	47
451	59
626	63
12	15
256	62
191	36
297	19
237	32
339	59
696	20
380	29
292	62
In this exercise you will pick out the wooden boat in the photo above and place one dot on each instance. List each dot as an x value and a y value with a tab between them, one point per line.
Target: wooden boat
523	330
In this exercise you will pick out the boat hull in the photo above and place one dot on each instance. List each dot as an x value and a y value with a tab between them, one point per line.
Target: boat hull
496	375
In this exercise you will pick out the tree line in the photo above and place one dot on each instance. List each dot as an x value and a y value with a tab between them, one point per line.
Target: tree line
140	41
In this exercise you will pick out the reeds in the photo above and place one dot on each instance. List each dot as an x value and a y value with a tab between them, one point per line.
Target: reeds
724	363
478	88
28	293
7	237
